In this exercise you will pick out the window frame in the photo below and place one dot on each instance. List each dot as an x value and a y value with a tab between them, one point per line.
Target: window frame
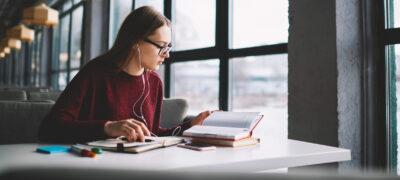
389	37
68	69
220	51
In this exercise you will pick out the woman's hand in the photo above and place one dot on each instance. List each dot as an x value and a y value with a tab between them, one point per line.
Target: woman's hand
198	120
130	128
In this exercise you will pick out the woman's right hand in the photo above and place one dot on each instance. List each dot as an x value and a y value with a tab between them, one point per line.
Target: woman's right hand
130	128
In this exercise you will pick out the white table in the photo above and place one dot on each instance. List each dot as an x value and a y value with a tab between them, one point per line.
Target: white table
270	154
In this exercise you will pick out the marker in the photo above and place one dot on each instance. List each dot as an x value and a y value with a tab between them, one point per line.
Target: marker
82	151
96	150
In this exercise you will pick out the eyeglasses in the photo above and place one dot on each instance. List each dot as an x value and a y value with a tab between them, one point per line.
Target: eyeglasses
163	49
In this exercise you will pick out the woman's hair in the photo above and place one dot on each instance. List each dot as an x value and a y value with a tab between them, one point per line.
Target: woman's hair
138	25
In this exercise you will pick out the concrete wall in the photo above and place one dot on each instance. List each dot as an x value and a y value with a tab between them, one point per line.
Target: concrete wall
349	60
324	74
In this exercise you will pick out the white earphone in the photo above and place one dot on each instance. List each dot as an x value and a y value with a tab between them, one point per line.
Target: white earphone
177	130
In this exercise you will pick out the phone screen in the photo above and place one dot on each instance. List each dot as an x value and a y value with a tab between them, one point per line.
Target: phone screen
198	147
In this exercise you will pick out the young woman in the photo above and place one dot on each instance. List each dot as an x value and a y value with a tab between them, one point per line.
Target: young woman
118	93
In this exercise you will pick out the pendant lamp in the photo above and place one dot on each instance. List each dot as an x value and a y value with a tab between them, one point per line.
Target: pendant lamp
5	50
21	32
40	15
11	43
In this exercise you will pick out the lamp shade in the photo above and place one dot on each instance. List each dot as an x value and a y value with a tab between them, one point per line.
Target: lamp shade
11	43
21	32
2	55
5	50
40	15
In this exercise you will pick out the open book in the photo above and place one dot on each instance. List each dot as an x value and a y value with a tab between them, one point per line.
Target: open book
122	145
228	143
226	125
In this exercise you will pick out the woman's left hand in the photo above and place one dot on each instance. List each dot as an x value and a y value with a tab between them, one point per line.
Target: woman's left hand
198	120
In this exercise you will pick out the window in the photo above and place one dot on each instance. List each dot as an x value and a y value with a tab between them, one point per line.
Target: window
221	59
119	9
259	22
157	4
259	84
392	52
197	82
193	24
67	49
33	64
394	6
394	56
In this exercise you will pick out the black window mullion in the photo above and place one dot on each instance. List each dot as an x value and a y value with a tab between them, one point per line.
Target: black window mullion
82	35
391	36
222	46
69	47
167	70
261	50
374	155
196	54
71	9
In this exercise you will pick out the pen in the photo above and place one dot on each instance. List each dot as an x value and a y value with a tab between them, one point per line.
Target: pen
82	151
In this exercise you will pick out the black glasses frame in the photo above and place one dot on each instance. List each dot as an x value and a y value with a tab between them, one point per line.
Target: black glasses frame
163	49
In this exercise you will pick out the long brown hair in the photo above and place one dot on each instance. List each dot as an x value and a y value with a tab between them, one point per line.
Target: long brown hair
138	25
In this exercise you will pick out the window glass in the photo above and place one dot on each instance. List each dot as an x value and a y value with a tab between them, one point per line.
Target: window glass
259	22
161	72
259	83
72	75
197	82
119	9
38	58
67	5
394	57
193	24
157	4
77	1
56	48
62	80
63	56
396	11
76	37
54	81
393	13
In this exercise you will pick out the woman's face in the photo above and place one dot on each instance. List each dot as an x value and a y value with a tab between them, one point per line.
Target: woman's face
150	52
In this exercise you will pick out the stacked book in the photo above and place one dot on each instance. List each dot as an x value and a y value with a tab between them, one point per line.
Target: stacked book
231	129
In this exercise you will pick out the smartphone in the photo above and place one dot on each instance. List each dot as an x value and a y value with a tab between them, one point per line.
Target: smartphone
197	147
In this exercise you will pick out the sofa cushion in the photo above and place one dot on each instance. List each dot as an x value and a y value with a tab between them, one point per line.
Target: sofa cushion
13	95
173	112
20	120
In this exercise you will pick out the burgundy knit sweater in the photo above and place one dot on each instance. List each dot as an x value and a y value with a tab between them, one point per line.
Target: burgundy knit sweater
97	95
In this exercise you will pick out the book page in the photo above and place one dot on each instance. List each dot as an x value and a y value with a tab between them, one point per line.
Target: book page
232	119
217	132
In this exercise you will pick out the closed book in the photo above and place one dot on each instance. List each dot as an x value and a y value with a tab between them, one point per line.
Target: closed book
226	125
122	145
228	143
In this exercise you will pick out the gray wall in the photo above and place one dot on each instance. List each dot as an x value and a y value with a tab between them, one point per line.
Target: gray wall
324	74
349	60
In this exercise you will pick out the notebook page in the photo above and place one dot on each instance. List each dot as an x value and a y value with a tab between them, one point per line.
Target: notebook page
232	119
